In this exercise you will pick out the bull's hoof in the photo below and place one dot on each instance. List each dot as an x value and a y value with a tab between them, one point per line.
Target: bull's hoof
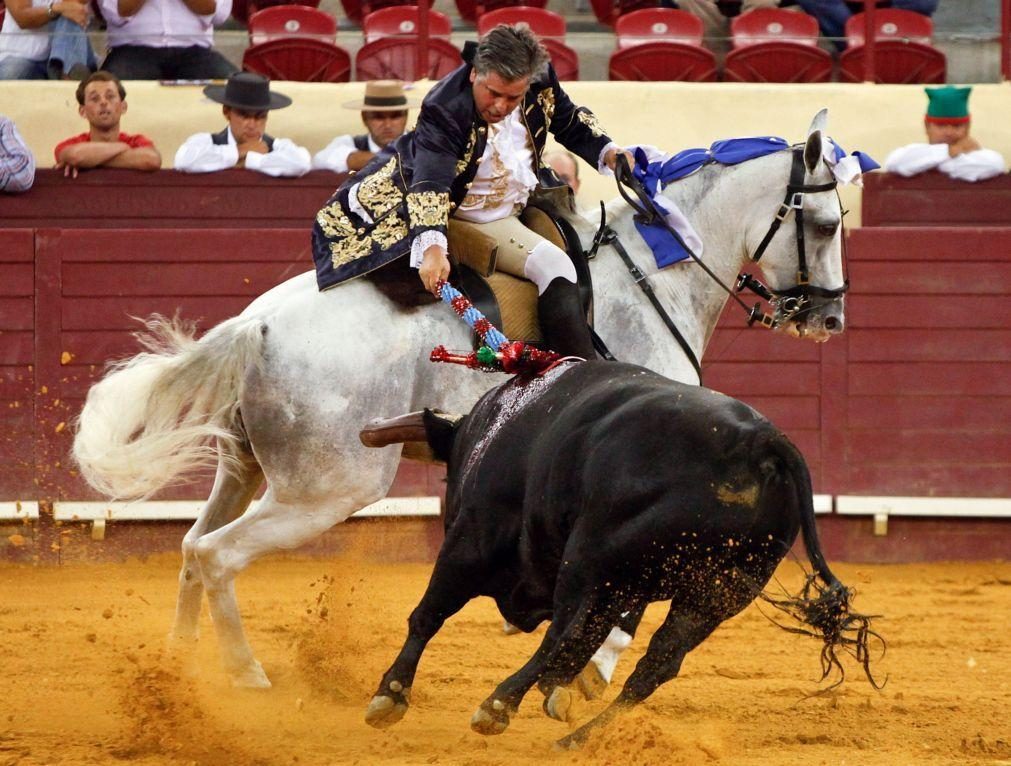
250	676
591	683
571	742
491	718
388	708
560	704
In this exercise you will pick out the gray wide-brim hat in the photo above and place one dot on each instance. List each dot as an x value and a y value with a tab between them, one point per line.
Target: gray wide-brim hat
245	90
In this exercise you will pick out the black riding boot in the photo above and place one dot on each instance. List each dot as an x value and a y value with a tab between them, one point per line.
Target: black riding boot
563	323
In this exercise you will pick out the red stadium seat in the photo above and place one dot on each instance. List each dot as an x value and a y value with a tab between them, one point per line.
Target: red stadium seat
298	59
356	10
543	23
663	61
242	10
396	58
286	21
402	21
563	59
891	24
764	25
651	25
896	62
608	11
778	62
472	10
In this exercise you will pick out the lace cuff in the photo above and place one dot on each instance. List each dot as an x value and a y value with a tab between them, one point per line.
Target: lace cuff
424	241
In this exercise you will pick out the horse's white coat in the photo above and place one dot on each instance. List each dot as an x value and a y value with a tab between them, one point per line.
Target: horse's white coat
327	363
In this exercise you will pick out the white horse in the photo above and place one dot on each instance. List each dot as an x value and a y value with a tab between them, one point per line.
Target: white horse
280	392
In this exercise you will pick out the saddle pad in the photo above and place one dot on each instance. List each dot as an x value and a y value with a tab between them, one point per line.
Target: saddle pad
471	246
517	302
541	223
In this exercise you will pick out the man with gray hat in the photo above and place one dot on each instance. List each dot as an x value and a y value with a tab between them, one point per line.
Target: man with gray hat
246	101
384	114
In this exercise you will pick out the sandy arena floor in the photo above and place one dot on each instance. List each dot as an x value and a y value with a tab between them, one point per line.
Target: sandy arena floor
85	679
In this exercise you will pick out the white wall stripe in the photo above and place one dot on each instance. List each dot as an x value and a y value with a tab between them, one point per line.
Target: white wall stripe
18	509
969	507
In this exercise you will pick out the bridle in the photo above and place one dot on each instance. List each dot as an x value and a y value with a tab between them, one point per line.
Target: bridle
789	304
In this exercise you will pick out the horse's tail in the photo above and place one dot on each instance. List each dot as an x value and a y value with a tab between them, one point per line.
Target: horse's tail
168	410
823	604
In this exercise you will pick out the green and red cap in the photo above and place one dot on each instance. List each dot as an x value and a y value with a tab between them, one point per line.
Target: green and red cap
948	105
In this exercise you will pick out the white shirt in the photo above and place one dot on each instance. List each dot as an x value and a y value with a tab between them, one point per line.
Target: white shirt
31	44
163	24
335	156
969	166
199	154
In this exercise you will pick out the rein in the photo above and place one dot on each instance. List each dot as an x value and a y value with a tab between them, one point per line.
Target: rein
789	303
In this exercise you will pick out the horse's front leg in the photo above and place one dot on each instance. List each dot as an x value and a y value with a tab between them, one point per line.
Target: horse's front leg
452	585
232	492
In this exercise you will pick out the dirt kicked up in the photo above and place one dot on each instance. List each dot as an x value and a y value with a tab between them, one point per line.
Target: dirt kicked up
86	679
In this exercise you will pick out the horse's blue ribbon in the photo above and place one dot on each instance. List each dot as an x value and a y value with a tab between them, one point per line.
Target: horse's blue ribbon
654	176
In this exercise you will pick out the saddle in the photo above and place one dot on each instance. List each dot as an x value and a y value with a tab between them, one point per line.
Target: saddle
509	302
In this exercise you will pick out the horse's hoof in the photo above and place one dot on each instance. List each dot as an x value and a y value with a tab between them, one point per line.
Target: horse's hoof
384	710
250	677
560	704
491	718
591	683
509	629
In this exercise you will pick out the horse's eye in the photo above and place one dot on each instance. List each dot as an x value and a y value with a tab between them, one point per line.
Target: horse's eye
827	229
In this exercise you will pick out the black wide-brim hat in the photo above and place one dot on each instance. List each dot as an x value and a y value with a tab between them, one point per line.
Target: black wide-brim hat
245	90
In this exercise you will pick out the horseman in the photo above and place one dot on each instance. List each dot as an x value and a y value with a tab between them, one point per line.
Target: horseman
475	155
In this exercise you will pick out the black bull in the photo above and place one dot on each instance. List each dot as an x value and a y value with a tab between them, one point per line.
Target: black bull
586	494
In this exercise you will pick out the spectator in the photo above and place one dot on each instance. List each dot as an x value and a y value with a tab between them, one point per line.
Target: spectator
949	148
246	101
714	15
43	39
165	39
102	102
17	165
566	167
384	113
832	15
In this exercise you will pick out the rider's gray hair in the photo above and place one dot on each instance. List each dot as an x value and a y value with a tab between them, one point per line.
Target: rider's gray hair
512	52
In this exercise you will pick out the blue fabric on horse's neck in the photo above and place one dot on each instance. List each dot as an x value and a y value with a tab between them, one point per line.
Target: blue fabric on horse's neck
656	175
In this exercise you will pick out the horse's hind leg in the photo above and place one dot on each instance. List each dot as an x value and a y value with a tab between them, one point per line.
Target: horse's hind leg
681	632
232	492
269	526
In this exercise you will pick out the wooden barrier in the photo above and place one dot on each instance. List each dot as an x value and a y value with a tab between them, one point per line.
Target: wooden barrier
933	199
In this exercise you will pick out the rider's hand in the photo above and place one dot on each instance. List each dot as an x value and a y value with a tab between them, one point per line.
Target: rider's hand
611	157
434	266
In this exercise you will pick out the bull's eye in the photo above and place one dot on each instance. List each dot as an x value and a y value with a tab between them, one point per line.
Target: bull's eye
827	229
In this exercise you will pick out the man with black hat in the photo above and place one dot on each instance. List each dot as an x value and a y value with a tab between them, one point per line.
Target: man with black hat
246	100
384	114
949	148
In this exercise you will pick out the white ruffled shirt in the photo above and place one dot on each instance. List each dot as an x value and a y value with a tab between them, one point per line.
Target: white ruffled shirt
970	166
335	155
199	154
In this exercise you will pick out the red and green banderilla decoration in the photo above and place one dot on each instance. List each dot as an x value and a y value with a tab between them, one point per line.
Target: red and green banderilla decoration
497	352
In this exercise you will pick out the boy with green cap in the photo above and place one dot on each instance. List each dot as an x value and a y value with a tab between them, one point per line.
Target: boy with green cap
949	148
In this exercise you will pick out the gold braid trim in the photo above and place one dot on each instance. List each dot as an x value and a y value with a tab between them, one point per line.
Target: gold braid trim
377	193
468	152
428	208
546	100
589	119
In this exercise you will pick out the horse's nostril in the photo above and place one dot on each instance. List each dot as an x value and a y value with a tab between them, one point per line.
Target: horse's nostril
831	323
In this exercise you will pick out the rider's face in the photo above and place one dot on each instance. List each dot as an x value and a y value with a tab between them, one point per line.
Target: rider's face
495	97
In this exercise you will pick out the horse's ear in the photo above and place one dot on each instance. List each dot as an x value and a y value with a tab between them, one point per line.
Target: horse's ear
820	121
812	151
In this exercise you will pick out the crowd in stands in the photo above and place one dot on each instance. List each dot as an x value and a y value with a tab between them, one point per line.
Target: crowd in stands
173	39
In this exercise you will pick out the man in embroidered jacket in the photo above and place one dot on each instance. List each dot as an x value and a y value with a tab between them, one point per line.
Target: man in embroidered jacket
475	154
949	148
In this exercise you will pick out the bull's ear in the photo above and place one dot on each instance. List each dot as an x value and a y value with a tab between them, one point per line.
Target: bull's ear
440	430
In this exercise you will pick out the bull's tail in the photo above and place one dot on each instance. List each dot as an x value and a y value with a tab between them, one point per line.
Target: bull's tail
168	410
823	605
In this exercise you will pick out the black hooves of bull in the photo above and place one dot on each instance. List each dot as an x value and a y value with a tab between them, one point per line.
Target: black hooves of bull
388	708
492	717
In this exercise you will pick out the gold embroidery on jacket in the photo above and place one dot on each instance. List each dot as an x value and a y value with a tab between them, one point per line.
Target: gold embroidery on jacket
389	231
589	119
377	193
546	98
428	208
468	153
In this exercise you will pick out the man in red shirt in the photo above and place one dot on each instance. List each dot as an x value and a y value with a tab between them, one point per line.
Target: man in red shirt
102	100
